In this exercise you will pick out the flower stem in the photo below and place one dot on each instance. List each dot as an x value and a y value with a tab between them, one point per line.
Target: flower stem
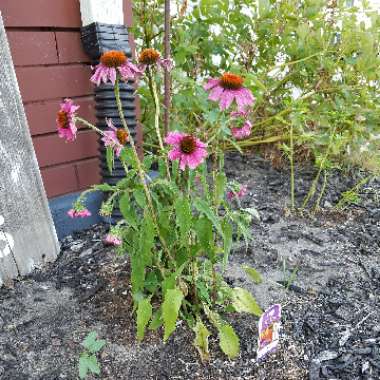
88	124
291	159
318	202
314	184
157	126
140	169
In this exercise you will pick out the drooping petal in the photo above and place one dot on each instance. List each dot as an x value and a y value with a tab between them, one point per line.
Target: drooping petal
226	99
166	63
110	123
244	99
112	75
174	138
174	154
211	83
216	93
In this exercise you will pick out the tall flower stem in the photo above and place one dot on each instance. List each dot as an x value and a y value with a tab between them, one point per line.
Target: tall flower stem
318	202
140	169
314	184
291	159
157	125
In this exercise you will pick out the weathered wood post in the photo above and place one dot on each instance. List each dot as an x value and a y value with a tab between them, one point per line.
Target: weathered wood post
27	233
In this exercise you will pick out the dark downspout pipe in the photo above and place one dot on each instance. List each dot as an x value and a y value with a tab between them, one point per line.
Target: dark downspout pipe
97	38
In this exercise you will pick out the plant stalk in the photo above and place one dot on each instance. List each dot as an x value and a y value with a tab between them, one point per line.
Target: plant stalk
140	170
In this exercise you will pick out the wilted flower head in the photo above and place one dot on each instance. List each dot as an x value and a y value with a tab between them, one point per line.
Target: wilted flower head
106	209
115	138
244	130
189	150
114	237
114	63
238	191
226	89
78	210
152	57
112	240
66	120
83	213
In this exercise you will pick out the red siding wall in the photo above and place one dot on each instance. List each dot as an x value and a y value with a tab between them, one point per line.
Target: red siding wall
51	65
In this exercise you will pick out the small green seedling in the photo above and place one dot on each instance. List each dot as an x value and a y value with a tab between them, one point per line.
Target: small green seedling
288	278
88	362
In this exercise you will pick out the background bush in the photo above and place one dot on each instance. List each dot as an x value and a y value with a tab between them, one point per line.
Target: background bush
312	65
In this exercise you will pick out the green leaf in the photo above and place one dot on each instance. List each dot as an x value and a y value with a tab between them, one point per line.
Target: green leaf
144	314
92	344
227	241
253	212
170	281
128	156
202	206
264	8
148	161
201	340
220	187
203	228
137	272
140	198
162	168
253	274
183	218
88	363
156	321
110	159
103	187
141	257
83	368
146	242
128	211
243	301
229	341
170	309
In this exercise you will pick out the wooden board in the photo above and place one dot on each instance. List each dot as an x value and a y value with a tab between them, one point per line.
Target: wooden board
27	234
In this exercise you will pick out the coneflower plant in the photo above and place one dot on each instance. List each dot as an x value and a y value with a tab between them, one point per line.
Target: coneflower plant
178	226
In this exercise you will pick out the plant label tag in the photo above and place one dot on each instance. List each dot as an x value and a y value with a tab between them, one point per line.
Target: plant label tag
269	327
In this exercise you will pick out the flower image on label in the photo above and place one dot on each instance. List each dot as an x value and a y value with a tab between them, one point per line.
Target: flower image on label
7	239
269	326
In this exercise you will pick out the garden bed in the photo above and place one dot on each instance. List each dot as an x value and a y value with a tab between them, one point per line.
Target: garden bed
324	270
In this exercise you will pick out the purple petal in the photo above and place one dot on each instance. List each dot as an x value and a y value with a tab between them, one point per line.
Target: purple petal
216	93
174	138
226	99
211	83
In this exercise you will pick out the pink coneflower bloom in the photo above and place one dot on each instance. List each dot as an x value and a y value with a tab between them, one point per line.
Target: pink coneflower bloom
237	194
83	213
111	64
116	138
189	150
152	57
112	239
226	89
66	120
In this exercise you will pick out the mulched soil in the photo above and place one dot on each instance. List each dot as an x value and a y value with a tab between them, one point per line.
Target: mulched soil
324	270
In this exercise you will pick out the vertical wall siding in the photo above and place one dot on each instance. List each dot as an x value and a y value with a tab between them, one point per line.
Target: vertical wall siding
50	65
